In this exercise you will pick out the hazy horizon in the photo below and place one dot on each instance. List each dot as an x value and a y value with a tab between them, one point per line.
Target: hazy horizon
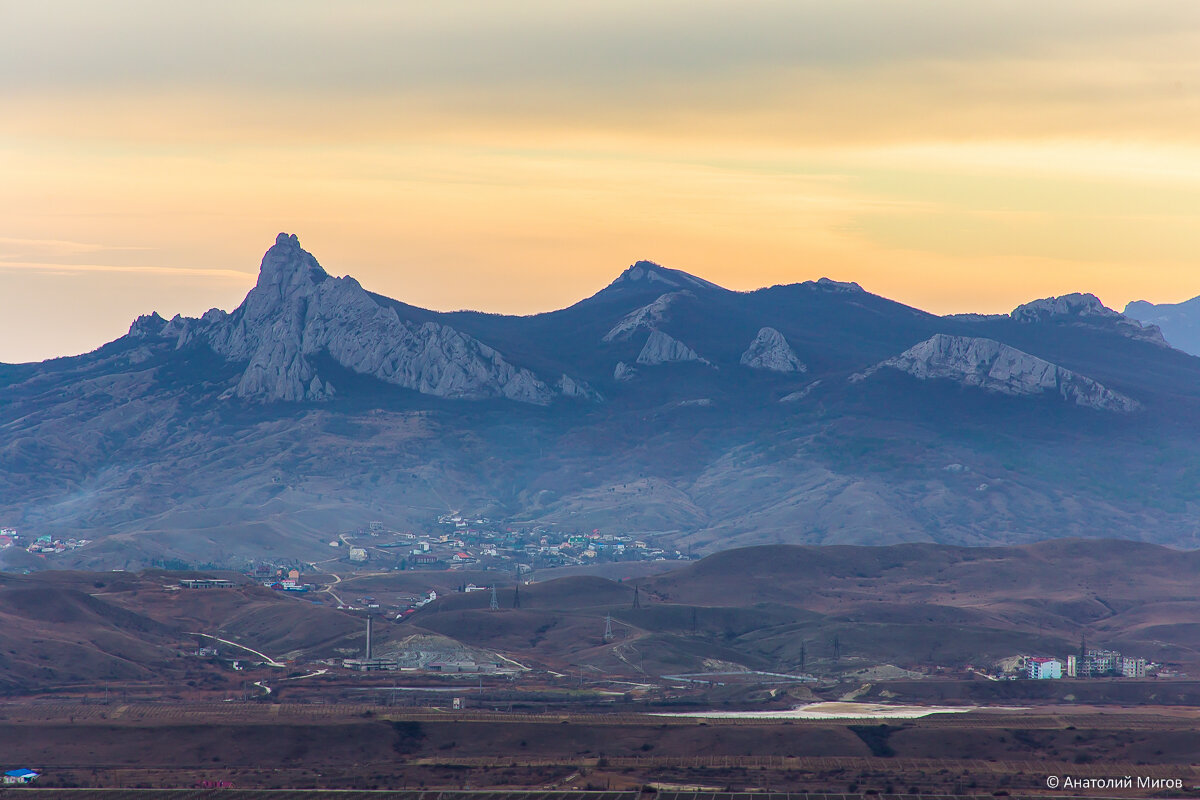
957	158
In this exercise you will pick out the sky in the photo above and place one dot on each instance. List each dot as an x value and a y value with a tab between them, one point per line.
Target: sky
515	156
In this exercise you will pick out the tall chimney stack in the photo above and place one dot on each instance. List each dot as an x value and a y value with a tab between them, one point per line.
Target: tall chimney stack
368	637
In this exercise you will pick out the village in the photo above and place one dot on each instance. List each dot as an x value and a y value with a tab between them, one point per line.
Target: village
459	541
42	545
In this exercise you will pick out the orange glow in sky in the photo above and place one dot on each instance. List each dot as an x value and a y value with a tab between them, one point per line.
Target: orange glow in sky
515	157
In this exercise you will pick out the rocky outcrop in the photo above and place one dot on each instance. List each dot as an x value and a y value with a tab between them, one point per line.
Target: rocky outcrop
770	350
297	311
623	372
830	285
1068	305
792	397
662	348
996	367
647	317
1086	310
570	387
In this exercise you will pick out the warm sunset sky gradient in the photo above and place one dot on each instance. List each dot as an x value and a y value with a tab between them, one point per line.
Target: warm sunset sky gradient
515	156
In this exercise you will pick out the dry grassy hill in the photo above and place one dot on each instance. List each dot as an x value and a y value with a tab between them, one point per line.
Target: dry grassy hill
907	604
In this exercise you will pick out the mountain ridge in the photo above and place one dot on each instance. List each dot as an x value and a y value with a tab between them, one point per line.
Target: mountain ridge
710	418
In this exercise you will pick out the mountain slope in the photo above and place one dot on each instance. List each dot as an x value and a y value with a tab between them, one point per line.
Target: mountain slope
663	406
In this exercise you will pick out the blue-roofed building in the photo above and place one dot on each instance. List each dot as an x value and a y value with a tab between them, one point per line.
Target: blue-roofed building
20	776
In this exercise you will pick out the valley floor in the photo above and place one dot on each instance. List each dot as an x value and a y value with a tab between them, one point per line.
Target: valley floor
260	745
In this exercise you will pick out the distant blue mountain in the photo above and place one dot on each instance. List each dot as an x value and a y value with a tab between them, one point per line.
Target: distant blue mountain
1179	322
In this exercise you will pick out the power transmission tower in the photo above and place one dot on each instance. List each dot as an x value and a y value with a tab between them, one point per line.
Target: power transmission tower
517	594
803	654
495	605
637	600
837	648
608	634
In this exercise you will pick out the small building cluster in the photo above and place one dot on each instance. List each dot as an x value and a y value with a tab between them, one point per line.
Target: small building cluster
1091	664
42	545
289	581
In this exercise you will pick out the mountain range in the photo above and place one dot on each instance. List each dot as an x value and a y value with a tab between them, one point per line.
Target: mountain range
663	405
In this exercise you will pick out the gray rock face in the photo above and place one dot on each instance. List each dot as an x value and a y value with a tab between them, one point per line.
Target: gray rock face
770	350
1179	322
662	348
570	387
997	367
647	317
297	310
624	372
1086	309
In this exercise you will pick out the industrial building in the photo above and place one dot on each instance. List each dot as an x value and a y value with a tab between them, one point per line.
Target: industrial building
206	583
368	663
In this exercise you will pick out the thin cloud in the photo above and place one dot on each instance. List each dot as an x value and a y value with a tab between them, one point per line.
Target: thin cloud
64	246
62	268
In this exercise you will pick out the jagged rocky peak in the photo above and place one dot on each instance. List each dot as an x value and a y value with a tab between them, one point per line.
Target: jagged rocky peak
147	325
997	367
287	270
770	351
649	273
648	316
662	348
154	326
297	311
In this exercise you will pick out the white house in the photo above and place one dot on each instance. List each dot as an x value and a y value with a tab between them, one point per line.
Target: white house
1043	668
